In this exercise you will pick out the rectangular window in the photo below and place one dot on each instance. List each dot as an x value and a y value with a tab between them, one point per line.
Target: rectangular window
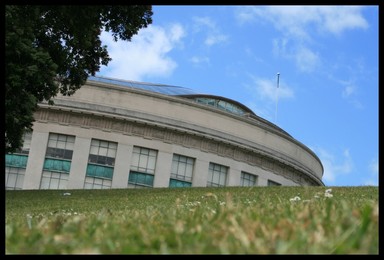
102	152
217	175
143	160
143	167
182	171
53	180
14	178
60	146
100	166
273	183
248	179
97	183
16	163
57	163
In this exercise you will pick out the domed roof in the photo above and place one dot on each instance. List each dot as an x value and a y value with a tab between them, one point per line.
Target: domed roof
219	102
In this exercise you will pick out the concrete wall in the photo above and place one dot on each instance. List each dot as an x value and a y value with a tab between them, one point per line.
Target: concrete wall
169	125
124	152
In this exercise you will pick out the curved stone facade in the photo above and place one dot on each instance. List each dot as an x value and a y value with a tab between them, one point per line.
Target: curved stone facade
109	135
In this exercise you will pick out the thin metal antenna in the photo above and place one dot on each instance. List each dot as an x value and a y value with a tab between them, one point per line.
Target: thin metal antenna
277	96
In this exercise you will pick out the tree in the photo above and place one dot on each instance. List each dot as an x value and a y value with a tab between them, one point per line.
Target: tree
53	49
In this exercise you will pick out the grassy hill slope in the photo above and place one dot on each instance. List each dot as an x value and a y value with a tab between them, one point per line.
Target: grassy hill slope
230	220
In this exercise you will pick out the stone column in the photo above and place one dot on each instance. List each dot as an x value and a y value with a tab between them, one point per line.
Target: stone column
79	163
163	169
233	177
35	162
200	173
122	166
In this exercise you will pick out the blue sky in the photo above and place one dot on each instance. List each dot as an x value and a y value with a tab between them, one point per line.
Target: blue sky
327	57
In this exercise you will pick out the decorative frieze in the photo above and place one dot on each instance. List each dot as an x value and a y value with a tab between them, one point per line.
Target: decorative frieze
137	129
209	146
117	125
159	133
192	141
75	119
173	136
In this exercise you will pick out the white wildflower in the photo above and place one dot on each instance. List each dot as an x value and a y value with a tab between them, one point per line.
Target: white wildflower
297	198
328	193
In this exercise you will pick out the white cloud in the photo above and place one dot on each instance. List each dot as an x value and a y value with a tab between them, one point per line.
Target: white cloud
201	22
349	93
299	25
373	168
198	60
341	18
265	93
267	89
214	39
147	53
209	27
280	47
295	21
306	59
334	169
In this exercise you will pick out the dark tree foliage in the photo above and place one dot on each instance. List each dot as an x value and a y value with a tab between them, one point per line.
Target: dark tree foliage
53	49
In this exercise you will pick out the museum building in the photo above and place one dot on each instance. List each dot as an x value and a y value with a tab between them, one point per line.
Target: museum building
124	134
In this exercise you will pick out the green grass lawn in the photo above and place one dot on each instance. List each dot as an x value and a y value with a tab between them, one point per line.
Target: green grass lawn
230	220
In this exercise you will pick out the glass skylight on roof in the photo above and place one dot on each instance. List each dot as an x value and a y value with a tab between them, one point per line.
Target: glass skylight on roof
159	88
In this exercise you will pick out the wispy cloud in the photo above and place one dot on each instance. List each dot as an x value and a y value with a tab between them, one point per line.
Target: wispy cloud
350	92
373	168
213	34
198	60
299	25
265	93
146	55
306	60
334	168
299	21
267	89
249	52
